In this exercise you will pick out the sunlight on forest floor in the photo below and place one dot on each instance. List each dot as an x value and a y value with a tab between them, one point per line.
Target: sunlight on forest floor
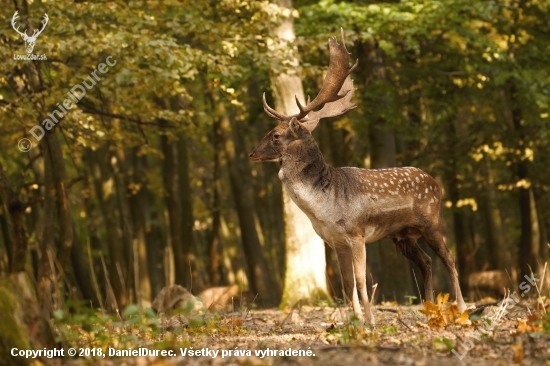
406	335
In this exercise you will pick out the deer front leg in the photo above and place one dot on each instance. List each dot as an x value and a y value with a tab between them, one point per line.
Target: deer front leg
345	262
359	253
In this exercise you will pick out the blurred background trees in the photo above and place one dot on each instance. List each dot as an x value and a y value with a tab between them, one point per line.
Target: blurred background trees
146	181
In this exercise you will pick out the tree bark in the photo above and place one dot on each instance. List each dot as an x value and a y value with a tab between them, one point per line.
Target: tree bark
187	221
261	281
137	193
12	224
529	240
214	268
104	186
382	154
494	220
172	202
155	244
305	263
120	167
83	271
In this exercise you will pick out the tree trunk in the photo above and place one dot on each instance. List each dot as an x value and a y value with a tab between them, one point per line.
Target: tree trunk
529	240
214	268
139	190
13	225
186	204
382	153
45	282
494	221
173	206
83	272
464	246
305	263
261	281
63	210
120	168
104	186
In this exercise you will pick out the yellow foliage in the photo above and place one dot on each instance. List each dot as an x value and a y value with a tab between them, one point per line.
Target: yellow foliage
443	313
529	325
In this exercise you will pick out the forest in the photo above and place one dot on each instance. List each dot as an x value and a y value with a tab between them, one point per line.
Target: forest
132	216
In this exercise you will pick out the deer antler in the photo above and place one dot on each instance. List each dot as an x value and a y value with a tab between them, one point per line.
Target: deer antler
13	19
44	23
36	33
335	93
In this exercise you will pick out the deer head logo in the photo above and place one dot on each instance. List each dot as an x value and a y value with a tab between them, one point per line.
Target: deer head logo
29	40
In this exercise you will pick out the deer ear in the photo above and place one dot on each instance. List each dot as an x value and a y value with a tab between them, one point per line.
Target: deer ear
295	126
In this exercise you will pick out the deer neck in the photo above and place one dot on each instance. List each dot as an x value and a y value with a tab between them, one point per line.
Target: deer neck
304	173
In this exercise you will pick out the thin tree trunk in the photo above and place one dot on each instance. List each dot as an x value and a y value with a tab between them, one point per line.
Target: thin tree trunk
529	240
172	202
13	226
136	202
382	153
261	281
464	245
214	238
105	191
82	271
189	247
154	240
45	281
63	210
120	167
494	221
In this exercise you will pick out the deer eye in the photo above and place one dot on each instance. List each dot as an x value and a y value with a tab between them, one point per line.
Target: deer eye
276	136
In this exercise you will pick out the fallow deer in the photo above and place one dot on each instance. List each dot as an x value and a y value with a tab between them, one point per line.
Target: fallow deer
349	207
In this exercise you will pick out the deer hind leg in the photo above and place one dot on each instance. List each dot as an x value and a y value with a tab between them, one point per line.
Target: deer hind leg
412	251
436	241
360	268
345	262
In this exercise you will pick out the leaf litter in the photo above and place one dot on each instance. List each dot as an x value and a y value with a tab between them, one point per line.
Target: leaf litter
404	335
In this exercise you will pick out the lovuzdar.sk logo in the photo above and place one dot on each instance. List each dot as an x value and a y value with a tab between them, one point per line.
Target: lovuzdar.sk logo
29	40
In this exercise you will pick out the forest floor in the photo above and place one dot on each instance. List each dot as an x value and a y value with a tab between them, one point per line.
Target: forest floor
404	335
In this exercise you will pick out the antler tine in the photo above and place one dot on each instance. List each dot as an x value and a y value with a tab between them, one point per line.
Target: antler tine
333	109
337	73
13	19
273	113
44	23
332	89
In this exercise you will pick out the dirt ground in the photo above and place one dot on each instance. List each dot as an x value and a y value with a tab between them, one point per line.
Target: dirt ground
403	336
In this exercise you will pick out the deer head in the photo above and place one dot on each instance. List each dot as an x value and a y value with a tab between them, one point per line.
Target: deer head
334	97
29	40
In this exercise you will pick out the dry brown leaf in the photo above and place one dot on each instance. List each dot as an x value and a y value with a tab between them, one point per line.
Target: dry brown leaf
464	319
236	322
442	299
443	313
529	324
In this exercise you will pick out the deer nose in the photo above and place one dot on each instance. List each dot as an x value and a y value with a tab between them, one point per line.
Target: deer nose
250	155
